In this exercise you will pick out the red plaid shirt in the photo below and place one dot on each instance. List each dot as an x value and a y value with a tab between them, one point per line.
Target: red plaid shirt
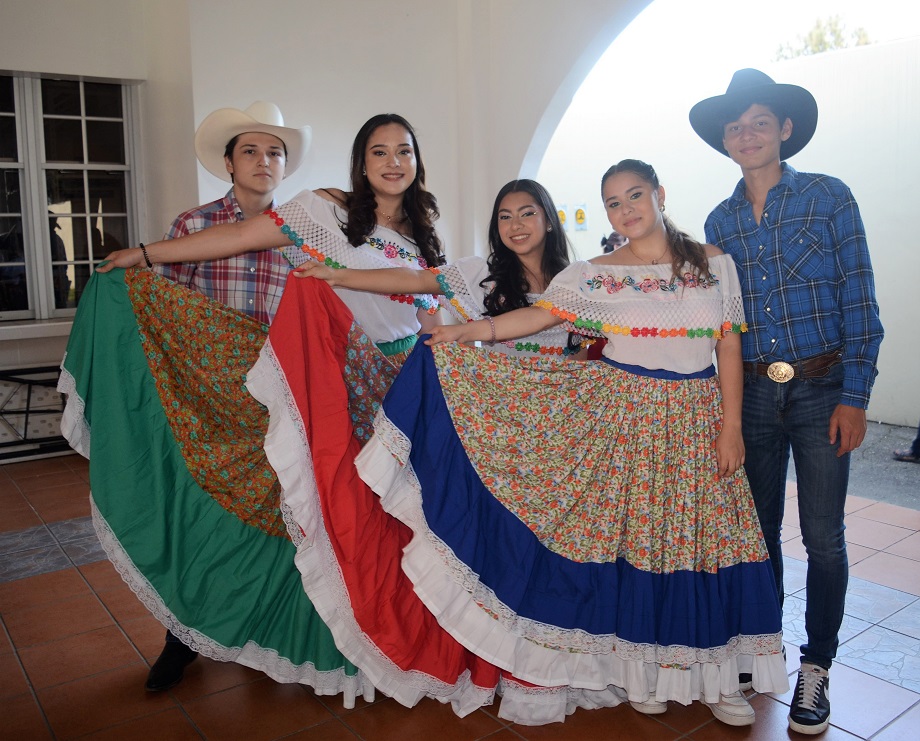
251	282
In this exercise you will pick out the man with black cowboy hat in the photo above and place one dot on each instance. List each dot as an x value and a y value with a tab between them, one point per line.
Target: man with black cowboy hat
810	354
255	151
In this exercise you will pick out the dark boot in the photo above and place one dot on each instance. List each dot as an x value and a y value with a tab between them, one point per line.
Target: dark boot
170	667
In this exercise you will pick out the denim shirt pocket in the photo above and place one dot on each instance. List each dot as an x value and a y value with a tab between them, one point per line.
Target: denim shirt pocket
803	257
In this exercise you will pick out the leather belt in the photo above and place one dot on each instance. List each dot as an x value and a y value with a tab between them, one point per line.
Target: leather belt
817	366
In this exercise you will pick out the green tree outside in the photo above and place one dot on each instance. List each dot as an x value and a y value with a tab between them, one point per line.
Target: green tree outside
825	35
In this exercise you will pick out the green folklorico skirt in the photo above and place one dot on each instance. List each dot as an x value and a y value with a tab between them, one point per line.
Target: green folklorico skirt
183	499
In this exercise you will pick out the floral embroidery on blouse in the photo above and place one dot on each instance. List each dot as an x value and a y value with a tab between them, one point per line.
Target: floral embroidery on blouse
650	283
392	251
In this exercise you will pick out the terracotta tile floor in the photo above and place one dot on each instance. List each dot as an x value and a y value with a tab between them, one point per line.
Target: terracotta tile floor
75	647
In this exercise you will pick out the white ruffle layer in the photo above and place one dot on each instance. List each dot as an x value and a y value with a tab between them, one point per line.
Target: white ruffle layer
77	432
289	454
432	567
251	654
74	427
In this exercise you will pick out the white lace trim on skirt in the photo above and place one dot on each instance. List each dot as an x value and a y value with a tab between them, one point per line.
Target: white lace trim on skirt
289	454
544	654
252	655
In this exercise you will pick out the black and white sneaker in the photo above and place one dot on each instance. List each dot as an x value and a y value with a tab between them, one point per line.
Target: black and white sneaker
810	712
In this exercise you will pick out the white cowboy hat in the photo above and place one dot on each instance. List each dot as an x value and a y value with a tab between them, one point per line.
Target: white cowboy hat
219	127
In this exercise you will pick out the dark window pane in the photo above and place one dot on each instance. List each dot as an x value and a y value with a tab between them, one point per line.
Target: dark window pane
60	98
102	100
65	191
14	294
59	269
109	234
105	141
80	276
107	192
8	149
11	240
72	232
58	250
63	141
9	192
7	104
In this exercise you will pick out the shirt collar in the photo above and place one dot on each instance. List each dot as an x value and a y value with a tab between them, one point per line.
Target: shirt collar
787	181
237	211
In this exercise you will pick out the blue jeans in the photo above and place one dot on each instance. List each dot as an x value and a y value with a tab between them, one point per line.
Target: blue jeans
915	445
777	418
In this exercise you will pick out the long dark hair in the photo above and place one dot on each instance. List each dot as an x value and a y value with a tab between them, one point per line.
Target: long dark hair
505	269
421	207
684	248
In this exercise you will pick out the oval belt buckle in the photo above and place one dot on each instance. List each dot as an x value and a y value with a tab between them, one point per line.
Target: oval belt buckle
780	372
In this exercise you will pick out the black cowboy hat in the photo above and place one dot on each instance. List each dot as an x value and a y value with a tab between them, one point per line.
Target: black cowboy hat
749	86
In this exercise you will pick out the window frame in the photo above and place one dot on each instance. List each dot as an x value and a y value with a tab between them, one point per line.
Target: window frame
33	167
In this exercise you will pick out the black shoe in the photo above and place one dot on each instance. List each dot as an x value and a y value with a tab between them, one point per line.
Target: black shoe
811	705
170	667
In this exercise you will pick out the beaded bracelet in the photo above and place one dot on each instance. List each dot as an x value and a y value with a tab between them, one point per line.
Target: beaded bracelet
146	257
492	327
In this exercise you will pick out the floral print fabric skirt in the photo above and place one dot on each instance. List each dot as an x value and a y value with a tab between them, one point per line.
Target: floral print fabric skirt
569	524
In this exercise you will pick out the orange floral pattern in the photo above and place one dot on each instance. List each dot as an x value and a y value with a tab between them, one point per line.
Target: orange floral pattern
199	352
602	464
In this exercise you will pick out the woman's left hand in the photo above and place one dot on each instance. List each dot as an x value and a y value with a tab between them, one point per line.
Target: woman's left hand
312	269
449	333
729	451
122	259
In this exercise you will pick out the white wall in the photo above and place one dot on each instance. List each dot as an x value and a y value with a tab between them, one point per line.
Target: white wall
484	82
93	38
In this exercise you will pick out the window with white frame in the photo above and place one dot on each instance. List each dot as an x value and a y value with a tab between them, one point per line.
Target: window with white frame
66	190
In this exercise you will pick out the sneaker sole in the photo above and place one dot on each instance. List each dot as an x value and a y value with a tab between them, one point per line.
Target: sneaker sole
809	730
728	719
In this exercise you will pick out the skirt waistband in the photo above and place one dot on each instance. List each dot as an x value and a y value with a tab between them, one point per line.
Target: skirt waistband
662	373
397	346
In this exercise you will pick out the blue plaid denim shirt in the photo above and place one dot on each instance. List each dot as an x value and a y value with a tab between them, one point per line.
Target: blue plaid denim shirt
806	277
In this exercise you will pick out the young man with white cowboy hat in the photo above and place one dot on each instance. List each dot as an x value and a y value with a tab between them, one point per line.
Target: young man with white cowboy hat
810	353
255	151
